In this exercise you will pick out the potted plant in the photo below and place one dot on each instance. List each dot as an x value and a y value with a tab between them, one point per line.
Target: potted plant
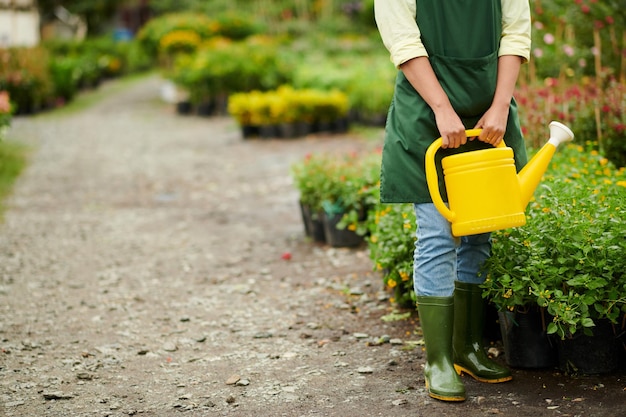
391	245
309	176
339	190
568	259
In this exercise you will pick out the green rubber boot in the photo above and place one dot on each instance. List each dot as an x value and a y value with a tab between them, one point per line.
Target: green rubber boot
469	355
436	316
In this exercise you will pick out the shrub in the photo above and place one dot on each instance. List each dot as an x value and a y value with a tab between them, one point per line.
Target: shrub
25	75
391	245
568	258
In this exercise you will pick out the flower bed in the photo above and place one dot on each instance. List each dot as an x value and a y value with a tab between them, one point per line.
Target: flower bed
289	108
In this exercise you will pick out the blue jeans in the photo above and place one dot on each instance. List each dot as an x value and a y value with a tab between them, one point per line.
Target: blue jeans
440	258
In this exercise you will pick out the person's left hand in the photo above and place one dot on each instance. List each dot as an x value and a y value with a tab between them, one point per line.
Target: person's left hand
493	125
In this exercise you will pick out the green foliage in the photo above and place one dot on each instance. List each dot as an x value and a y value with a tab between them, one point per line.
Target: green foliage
568	258
338	184
391	244
229	67
25	75
6	112
150	35
12	162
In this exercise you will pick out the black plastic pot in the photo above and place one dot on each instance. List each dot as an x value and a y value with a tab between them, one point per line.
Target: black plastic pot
339	238
526	342
601	353
313	224
183	107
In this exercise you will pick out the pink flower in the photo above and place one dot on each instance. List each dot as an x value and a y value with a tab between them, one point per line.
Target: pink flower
548	38
609	20
538	53
585	9
569	51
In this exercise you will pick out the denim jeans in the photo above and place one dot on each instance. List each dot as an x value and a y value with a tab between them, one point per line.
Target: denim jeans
440	258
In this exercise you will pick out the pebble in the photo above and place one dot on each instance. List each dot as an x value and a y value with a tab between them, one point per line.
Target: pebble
242	383
233	380
365	370
57	395
169	347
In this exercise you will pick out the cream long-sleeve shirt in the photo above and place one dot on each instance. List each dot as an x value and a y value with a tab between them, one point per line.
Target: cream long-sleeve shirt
401	35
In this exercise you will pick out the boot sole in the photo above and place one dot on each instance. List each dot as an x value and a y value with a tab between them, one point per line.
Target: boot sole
441	397
461	370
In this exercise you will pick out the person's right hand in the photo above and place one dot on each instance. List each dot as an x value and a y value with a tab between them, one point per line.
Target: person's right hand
451	128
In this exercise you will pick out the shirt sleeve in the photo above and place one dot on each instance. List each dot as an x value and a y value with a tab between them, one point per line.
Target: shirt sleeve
516	28
398	29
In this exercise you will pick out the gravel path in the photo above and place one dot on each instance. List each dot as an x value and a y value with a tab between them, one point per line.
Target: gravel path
141	273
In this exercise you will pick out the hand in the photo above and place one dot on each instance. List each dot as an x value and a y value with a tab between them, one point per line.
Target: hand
493	124
451	129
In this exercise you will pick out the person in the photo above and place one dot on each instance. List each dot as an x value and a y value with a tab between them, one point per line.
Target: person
458	63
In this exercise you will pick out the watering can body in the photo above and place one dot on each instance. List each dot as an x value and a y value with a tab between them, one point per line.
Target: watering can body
485	192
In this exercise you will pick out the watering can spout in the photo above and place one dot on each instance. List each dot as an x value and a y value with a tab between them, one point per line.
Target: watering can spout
530	176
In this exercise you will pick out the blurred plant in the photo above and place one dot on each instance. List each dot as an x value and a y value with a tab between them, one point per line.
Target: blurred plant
179	41
25	75
288	105
5	112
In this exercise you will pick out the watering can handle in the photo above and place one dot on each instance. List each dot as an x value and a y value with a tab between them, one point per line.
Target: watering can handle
433	180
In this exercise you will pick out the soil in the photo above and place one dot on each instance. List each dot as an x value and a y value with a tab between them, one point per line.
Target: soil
154	264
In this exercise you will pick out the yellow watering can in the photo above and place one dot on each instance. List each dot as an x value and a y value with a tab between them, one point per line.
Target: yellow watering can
485	193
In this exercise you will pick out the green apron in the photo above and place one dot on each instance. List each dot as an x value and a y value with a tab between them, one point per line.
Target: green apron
462	38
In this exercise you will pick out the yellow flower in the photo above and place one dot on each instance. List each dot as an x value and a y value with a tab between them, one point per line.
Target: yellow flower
373	238
546	209
352	227
621	183
405	276
391	283
407	225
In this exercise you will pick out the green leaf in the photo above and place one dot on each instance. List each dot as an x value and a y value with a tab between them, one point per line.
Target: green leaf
587	322
552	328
